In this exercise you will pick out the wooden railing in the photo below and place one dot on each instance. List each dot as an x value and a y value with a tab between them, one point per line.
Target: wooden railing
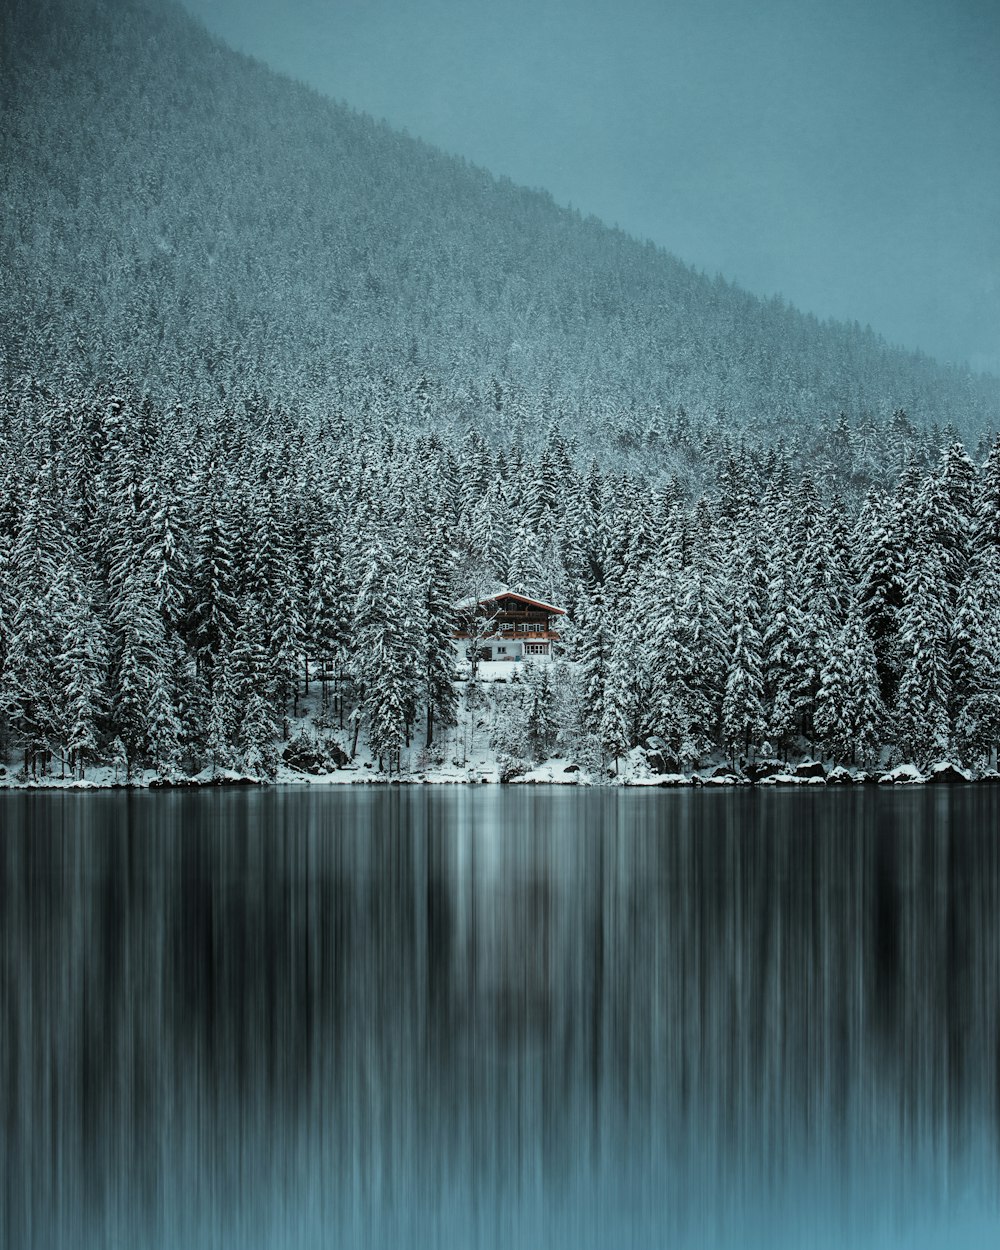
542	635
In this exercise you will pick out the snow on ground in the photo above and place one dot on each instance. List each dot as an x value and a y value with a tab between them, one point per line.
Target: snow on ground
903	775
463	754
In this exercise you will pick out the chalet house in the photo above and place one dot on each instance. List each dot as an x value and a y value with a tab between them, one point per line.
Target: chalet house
507	626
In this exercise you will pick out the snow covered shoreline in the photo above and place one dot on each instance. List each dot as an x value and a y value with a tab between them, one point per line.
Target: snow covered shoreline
553	772
486	744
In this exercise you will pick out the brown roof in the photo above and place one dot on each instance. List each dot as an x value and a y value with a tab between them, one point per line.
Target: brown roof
511	594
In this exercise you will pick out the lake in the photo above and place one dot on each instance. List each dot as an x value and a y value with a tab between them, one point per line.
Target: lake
500	1017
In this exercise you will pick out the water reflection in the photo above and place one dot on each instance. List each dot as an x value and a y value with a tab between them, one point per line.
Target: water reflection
501	1018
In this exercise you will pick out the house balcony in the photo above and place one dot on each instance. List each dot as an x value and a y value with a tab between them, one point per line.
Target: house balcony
510	635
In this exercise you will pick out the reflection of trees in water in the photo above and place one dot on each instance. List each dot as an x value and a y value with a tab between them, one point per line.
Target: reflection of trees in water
214	995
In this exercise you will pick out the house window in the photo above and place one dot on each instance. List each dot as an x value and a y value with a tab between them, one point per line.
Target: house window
501	650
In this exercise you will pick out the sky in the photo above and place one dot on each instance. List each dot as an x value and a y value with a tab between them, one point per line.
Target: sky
844	155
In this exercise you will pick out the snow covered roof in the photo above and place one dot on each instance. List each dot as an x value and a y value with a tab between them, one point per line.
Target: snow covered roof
503	593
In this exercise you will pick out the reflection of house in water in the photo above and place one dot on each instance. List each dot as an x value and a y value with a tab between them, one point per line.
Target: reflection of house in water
507	626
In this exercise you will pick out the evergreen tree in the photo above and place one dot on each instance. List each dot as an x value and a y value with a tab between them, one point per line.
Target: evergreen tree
850	716
541	724
84	659
170	573
32	685
924	691
163	732
881	580
384	665
141	705
212	611
986	515
591	648
743	722
617	710
437	626
284	651
256	749
675	710
975	661
328	614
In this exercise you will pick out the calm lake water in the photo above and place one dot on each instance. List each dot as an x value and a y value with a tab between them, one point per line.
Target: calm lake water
500	1018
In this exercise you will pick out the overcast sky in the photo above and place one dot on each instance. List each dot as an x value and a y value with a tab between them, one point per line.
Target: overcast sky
842	153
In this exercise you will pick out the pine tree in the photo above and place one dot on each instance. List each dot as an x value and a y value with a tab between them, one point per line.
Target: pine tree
778	651
525	562
256	747
815	605
191	700
743	722
959	483
211	616
591	648
489	531
84	660
986	516
675	709
708	598
880	548
542	726
975	661
384	667
284	651
170	574
8	600
31	692
327	614
437	626
945	524
850	716
924	691
163	732
31	685
617	712
140	666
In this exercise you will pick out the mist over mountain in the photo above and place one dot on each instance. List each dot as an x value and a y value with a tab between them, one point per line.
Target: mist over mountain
177	213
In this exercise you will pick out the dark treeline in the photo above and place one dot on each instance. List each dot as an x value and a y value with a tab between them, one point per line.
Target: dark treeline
172	582
177	212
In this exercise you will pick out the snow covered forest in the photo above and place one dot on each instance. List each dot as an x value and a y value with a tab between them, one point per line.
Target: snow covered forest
175	212
166	577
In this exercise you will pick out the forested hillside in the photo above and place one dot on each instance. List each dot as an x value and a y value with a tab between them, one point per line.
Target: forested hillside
166	578
176	214
278	386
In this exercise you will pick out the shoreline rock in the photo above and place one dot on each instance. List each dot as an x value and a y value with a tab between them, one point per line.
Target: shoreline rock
765	775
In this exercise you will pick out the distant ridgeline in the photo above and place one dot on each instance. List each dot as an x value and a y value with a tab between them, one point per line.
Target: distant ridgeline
171	580
177	214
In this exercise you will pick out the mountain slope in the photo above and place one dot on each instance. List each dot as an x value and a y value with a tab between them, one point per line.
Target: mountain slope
177	212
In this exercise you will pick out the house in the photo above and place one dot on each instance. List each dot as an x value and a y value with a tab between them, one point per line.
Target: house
507	626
